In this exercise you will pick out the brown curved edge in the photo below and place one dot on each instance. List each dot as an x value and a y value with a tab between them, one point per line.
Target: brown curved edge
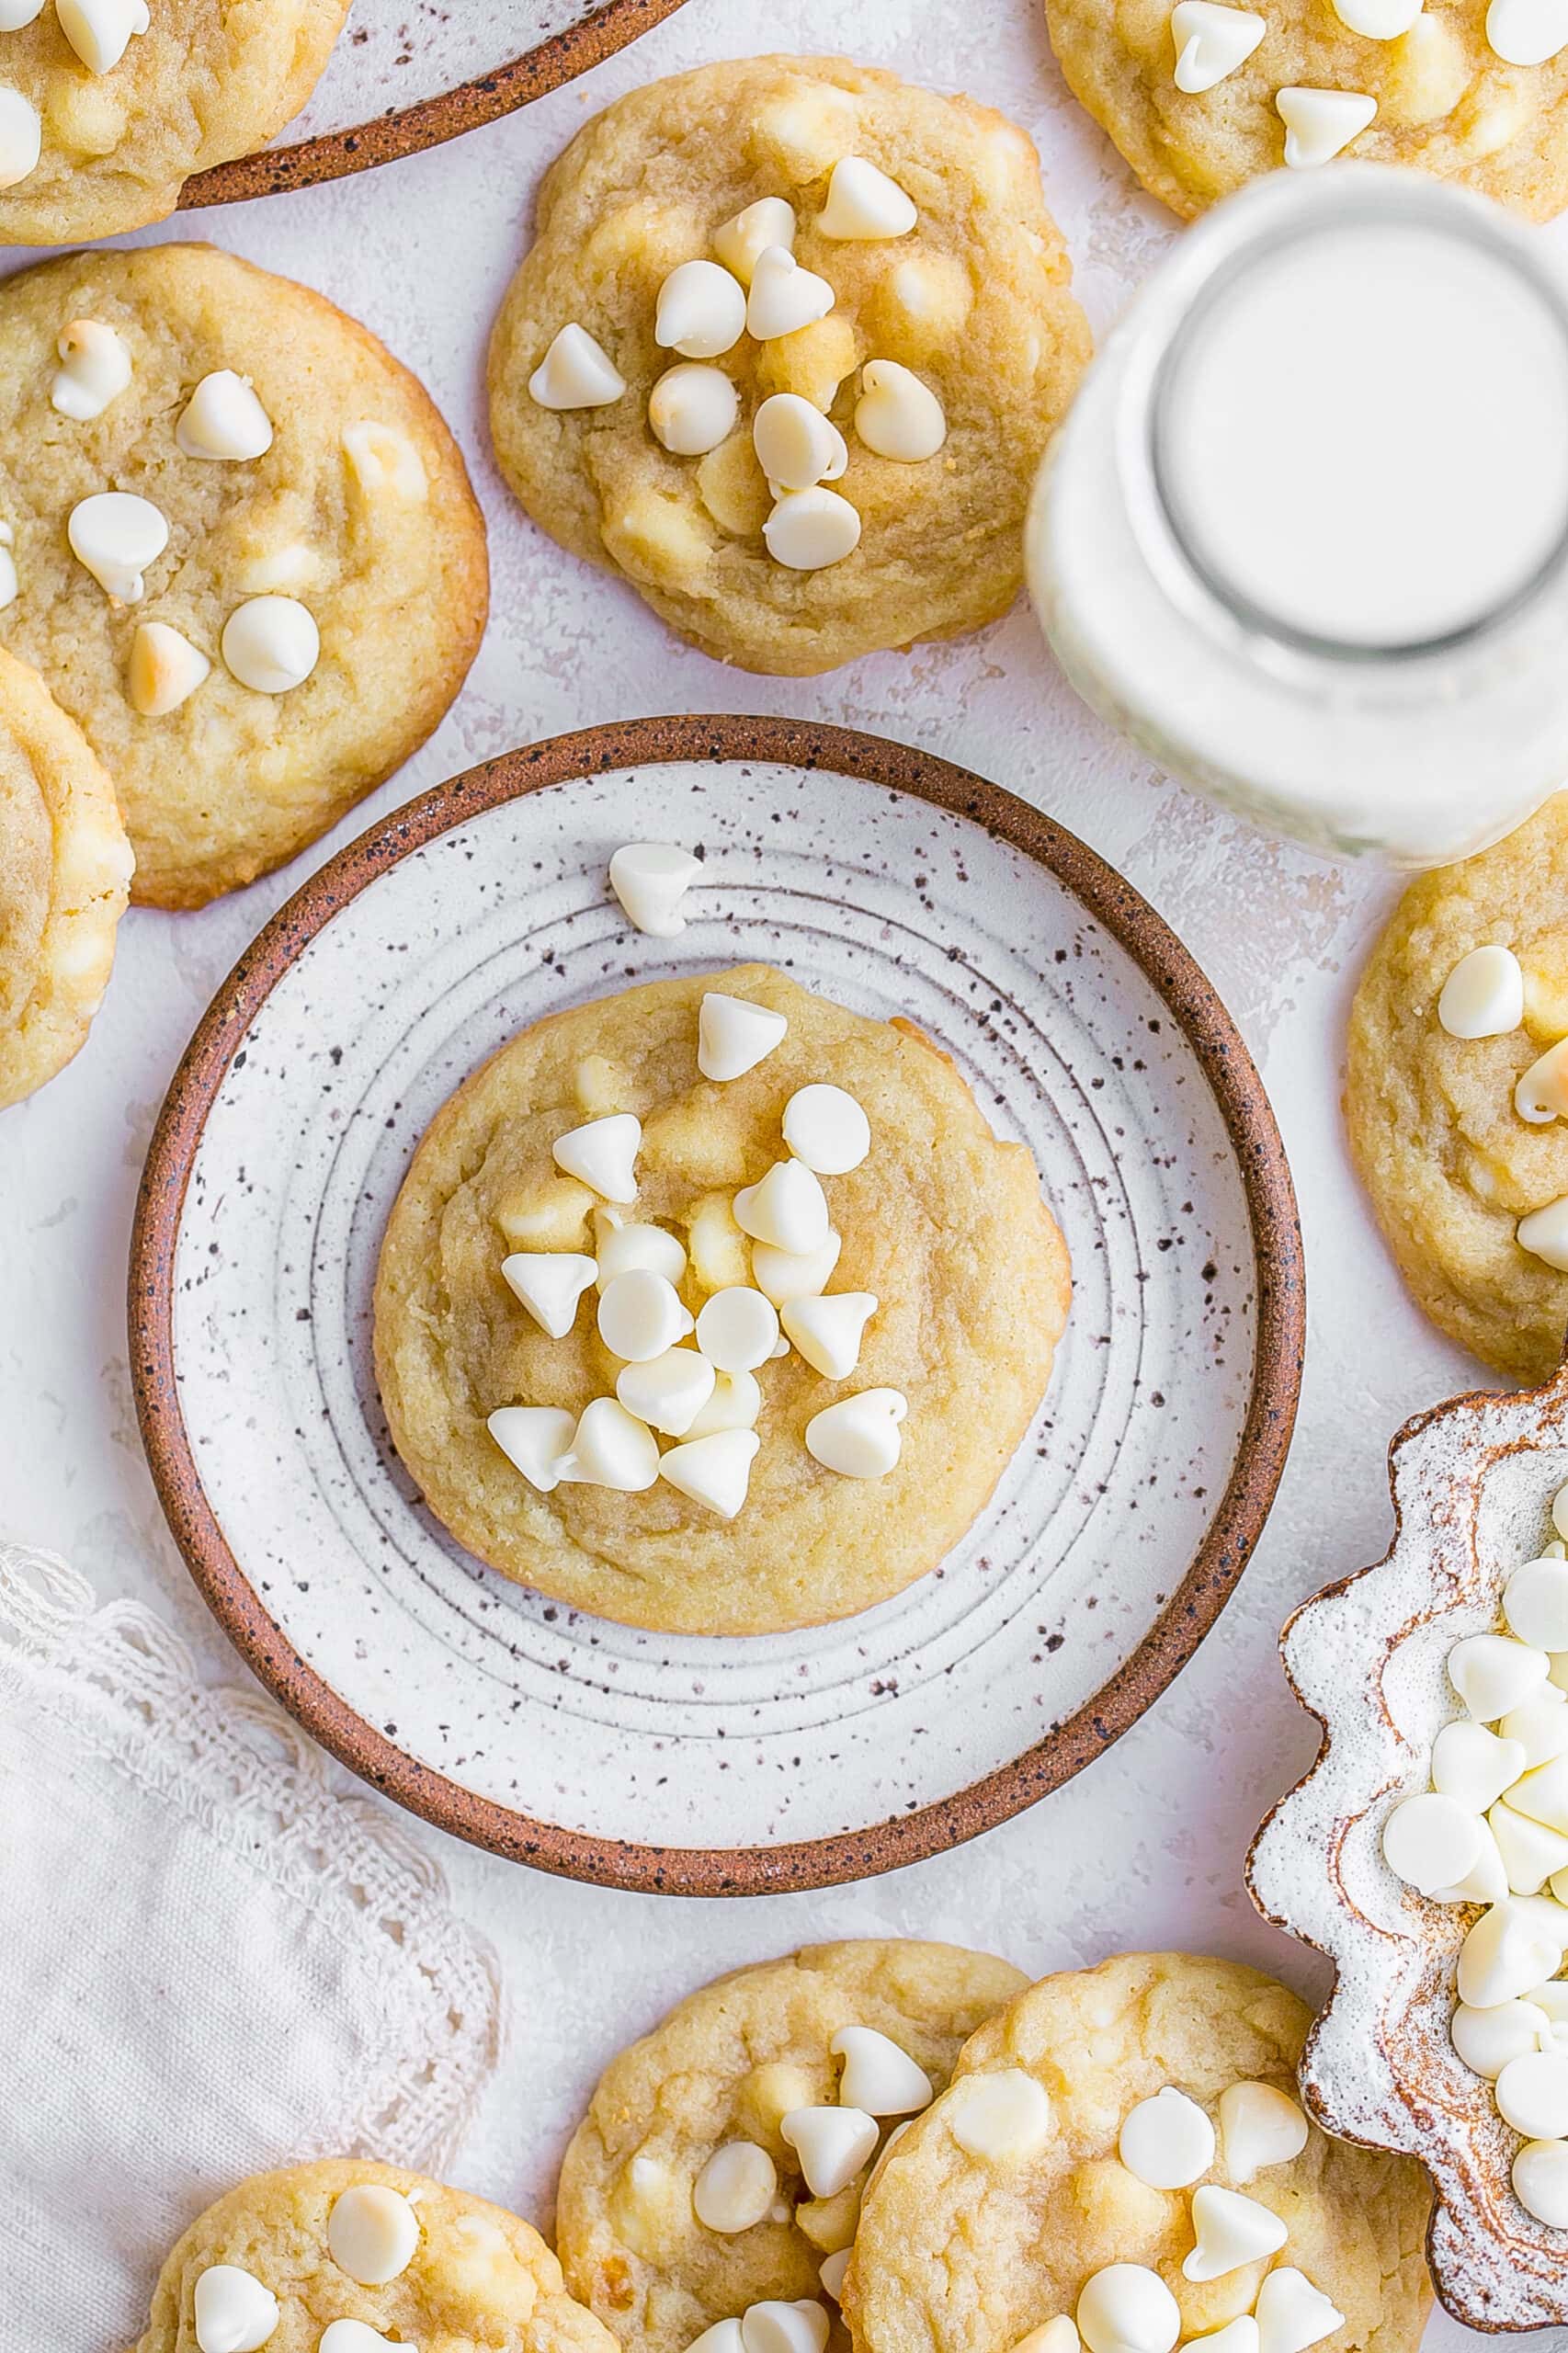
385	140
1238	1519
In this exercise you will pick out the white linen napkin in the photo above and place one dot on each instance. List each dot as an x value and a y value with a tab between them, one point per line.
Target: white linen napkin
211	1960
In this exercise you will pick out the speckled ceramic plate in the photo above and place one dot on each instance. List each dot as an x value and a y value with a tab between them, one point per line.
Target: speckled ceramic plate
898	884
408	73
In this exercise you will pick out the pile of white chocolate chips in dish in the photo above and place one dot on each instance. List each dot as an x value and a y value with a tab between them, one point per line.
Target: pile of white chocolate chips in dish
757	287
1211	41
1493	1830
704	1397
1483	996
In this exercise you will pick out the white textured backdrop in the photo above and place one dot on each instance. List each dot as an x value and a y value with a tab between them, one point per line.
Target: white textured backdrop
1146	1848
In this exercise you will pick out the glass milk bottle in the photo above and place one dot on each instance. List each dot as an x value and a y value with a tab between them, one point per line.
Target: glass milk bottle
1303	536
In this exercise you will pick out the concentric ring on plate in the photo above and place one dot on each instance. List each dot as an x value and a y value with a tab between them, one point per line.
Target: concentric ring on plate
679	1763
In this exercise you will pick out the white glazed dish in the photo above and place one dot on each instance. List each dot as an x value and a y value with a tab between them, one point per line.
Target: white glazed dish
1115	1535
1473	1485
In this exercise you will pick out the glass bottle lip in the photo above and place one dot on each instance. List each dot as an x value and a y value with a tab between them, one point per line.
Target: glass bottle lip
1262	221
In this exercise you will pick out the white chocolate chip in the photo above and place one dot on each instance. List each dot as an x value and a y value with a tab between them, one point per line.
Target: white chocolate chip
1004	2114
787	1208
832	2144
371	2233
642	1316
733	1035
611	1448
826	1127
897	415
1378	19
810	529
384	462
100	31
1488	2040
862	202
1530	1851
575	373
796	445
735	1404
715	1470
1128	2309
1486	1882
1542	1794
1211	41
668	1392
1292	2314
1527	32
21	137
1506	1954
622	1247
784	1275
1320	124
223	420
1259	2127
724	2336
859	1436
651	879
831	2273
1545	1234
692	408
1541	2182
231	2309
603	1154
1058	2335
878	2075
1532	2095
701	310
1238	2335
284	570
779	2328
1483	996
1493	1675
1535	1603
354	2336
164	670
270	644
534	1438
737	1329
736	2188
784	296
15	13
549	1283
1231	2230
1541	1096
769	222
1430	1842
116	536
828	1331
1472	1766
95	369
1166	2142
1539	1725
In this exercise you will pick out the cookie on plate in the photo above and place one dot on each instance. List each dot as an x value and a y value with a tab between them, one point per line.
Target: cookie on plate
1122	2145
247	559
592	1148
64	875
309	2259
107	106
1203	97
1457	1095
796	272
682	2202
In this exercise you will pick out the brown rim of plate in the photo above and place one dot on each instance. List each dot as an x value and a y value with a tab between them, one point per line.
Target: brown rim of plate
410	129
1238	1519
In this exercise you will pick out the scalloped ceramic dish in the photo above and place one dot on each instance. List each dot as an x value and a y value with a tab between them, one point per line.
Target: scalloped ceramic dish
1472	1483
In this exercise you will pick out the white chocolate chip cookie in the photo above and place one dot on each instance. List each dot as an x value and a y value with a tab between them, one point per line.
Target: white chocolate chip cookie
65	872
346	2254
107	106
684	2200
1007	2199
246	556
768	230
1201	99
596	1134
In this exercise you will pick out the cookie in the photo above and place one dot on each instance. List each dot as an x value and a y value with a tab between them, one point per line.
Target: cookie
1453	1168
693	2112
1035	2174
1435	94
65	872
939	1227
284	585
923	355
102	123
286	2257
